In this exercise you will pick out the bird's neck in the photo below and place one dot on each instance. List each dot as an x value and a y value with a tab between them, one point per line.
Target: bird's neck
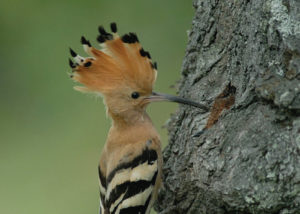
130	118
133	128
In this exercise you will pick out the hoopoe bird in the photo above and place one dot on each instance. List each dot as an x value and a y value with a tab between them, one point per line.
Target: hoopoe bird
130	165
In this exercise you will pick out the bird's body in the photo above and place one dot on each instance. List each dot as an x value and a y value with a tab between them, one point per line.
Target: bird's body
130	165
130	175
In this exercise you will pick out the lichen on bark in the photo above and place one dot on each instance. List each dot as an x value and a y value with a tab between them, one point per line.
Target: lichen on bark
248	161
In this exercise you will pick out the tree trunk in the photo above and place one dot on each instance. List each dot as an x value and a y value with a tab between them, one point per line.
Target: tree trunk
247	160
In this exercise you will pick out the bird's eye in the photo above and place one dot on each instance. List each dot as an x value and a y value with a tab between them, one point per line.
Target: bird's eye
135	95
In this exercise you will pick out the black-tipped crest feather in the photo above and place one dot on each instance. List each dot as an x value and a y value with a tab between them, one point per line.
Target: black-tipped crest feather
113	27
73	54
71	63
85	42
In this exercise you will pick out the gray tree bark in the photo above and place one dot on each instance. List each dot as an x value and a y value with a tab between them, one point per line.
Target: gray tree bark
248	161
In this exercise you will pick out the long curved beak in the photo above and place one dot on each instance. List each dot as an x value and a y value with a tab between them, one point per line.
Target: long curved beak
155	97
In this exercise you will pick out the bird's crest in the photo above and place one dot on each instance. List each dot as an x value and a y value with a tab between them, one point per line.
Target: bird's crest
121	62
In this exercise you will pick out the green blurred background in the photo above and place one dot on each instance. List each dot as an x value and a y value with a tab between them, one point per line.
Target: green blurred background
50	135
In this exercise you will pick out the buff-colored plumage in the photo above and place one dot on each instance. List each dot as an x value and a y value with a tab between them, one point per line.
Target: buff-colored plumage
123	72
130	166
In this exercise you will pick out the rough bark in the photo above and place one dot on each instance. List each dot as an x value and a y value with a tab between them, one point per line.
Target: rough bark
249	160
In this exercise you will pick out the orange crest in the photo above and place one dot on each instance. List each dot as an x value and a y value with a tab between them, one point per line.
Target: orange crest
122	62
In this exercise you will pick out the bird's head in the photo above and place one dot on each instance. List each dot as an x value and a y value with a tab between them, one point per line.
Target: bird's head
122	71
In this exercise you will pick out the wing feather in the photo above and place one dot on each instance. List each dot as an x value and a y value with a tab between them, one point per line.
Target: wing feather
130	184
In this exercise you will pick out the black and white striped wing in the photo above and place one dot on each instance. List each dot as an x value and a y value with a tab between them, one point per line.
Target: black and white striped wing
102	187
130	184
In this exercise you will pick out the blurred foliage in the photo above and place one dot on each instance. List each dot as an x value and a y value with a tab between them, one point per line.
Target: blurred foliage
50	135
